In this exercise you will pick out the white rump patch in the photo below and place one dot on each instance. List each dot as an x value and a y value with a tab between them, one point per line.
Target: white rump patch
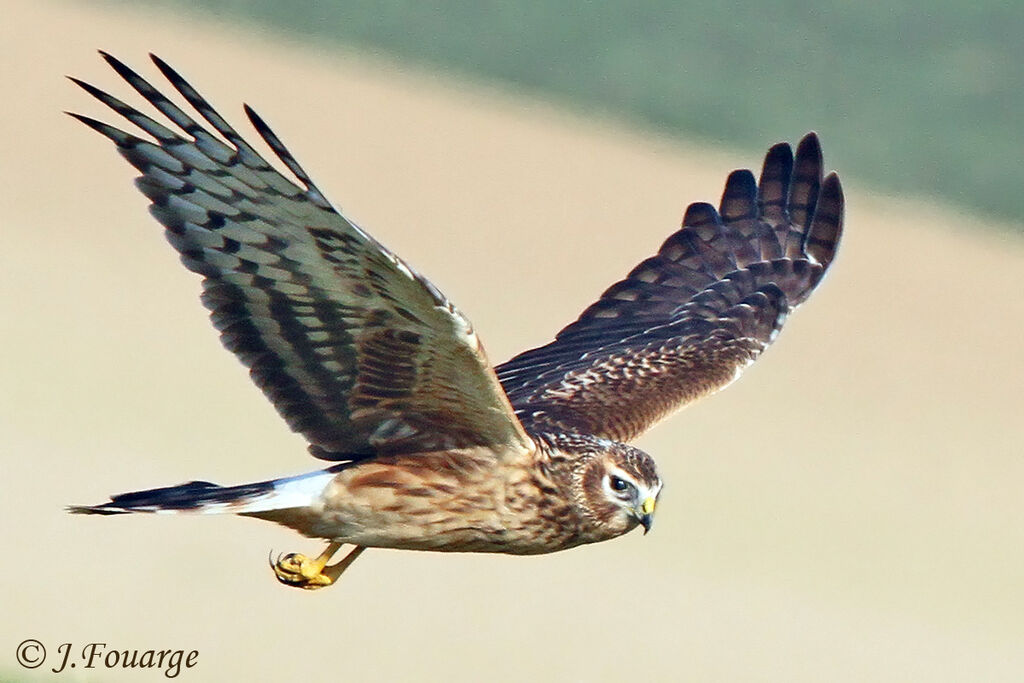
291	492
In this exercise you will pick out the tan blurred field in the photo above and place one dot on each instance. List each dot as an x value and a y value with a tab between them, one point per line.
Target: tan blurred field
849	511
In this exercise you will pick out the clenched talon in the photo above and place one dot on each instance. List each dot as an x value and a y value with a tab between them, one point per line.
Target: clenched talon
295	569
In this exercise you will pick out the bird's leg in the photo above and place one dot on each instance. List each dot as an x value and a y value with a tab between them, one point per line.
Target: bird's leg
300	571
333	571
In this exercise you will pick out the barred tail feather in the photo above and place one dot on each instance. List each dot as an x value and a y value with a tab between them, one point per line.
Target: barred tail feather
207	498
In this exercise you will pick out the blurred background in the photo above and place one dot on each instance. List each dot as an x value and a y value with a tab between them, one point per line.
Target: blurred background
920	97
850	510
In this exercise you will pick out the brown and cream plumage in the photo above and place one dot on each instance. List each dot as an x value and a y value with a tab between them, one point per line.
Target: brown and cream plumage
432	448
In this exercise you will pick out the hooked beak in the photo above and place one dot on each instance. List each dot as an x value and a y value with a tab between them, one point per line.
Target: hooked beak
646	514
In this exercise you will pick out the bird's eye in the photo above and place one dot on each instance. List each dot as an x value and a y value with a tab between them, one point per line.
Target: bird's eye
619	484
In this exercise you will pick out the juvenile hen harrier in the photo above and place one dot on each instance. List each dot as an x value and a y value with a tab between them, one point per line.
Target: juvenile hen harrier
432	448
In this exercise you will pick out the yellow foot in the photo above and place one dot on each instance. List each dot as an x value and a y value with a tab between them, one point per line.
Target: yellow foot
300	571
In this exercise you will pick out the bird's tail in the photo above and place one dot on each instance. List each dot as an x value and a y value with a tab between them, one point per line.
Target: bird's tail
204	497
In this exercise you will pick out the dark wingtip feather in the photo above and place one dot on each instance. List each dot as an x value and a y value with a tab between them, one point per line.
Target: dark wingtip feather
257	121
254	116
103	97
810	142
117	65
808	154
739	198
773	186
284	155
778	152
115	134
80	83
826	229
701	213
806	180
168	71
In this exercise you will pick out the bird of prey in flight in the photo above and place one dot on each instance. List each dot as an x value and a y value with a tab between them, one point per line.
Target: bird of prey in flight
426	445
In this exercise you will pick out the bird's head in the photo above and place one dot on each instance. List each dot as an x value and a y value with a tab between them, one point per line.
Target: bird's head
618	488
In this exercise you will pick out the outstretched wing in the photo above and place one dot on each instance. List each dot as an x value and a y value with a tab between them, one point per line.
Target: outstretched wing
357	351
685	322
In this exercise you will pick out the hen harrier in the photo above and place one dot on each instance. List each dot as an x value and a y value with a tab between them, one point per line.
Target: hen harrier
432	448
